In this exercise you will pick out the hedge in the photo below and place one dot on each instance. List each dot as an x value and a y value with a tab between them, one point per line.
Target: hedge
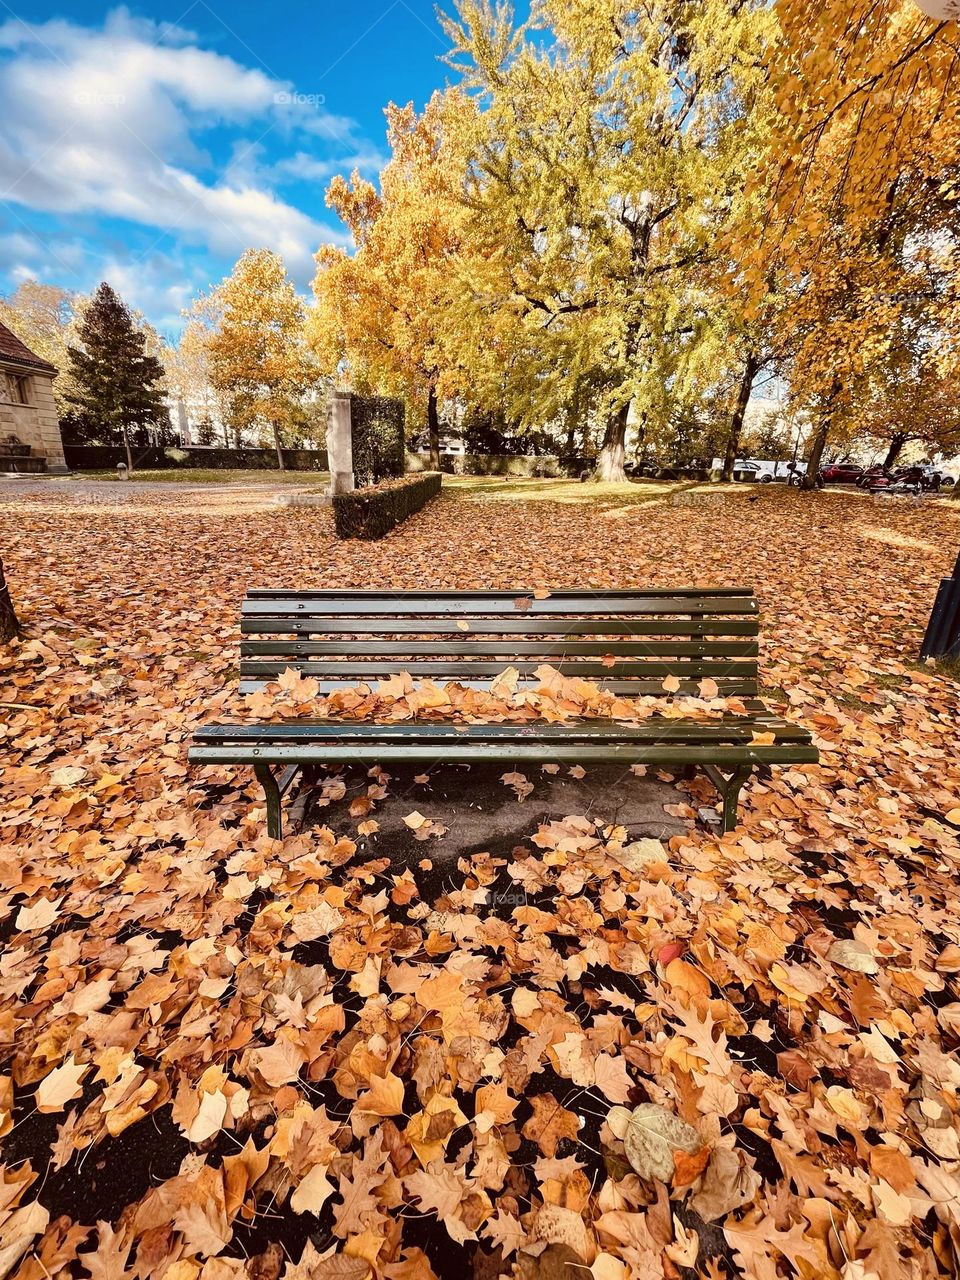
104	457
377	430
372	513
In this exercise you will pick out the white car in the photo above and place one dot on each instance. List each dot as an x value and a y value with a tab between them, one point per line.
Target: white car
764	471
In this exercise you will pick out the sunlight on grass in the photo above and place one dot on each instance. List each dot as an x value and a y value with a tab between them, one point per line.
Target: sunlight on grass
521	488
892	539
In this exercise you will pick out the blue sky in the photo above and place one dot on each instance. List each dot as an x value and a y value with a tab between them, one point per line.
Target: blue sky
149	146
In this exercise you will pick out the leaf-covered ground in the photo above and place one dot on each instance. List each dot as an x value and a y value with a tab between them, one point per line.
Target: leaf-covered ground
585	1055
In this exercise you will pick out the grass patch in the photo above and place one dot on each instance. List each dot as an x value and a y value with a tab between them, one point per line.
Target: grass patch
890	681
852	701
542	489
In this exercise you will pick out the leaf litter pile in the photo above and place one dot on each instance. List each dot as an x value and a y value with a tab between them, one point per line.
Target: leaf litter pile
223	1055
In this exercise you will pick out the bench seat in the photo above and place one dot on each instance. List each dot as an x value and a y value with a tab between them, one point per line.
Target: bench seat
691	634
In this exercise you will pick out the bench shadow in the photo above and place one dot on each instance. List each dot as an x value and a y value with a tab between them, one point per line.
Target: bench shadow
481	812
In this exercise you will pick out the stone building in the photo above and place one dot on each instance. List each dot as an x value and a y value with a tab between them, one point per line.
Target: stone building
29	429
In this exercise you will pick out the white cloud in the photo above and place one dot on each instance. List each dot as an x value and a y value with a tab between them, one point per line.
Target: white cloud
117	122
305	167
154	285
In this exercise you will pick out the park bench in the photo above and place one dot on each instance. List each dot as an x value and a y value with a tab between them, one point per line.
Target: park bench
625	641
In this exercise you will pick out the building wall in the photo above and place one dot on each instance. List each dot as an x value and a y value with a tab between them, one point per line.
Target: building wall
34	423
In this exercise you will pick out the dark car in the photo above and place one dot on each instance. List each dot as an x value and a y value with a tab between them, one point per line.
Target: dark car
917	477
875	477
841	473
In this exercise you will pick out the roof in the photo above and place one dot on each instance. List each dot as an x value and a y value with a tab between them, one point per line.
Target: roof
13	351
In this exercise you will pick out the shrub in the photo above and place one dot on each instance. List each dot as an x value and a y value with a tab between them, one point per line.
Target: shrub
371	513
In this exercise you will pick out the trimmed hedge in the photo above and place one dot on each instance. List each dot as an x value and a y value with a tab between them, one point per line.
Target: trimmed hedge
104	457
372	513
377	430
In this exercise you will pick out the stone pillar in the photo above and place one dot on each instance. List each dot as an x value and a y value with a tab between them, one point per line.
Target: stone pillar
340	445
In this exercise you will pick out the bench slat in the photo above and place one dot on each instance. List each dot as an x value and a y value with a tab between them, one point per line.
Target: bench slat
565	593
473	605
259	624
517	750
639	668
509	649
636	688
731	729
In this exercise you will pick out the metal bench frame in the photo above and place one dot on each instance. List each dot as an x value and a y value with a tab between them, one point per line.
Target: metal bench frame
366	636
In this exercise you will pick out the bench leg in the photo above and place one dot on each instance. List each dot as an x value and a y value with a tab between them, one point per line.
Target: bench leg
275	788
729	788
271	790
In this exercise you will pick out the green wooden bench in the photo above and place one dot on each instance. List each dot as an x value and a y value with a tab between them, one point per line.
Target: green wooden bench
343	638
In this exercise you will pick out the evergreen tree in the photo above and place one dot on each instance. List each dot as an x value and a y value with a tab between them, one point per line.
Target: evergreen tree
115	381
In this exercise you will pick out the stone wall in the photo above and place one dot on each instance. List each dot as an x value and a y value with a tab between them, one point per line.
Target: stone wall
34	423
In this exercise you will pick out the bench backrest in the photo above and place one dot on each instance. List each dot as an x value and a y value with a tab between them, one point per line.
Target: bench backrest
626	641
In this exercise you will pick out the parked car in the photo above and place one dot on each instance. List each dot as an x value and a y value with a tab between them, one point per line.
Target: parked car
938	478
916	477
762	470
841	472
875	477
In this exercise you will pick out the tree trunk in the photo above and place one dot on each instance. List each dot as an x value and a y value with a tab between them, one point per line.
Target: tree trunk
897	441
809	480
126	445
610	459
276	440
641	441
739	412
433	428
9	625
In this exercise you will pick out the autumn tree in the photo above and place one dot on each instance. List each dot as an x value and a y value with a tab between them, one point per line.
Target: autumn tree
40	314
116	384
860	187
189	379
255	344
909	401
382	309
605	156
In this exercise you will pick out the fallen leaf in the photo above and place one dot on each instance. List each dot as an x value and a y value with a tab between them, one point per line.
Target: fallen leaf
653	1136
